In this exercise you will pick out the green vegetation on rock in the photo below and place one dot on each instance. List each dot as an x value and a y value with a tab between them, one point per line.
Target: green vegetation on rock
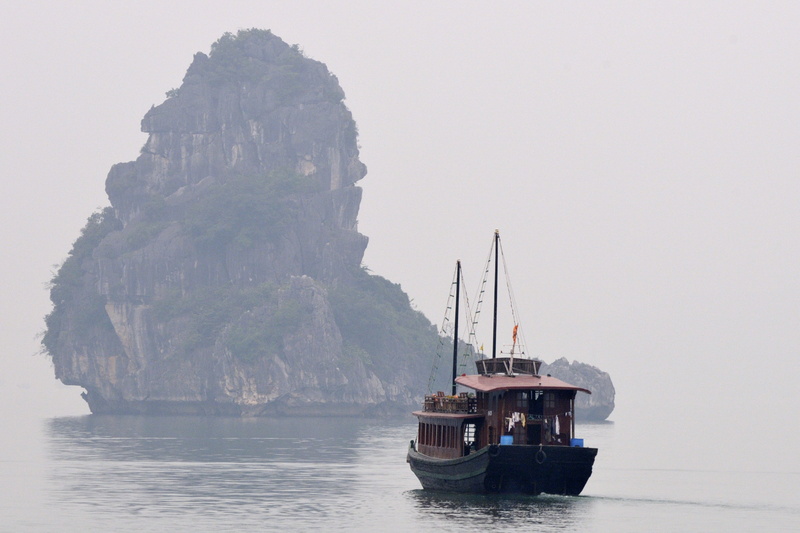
68	286
206	311
246	209
250	339
375	318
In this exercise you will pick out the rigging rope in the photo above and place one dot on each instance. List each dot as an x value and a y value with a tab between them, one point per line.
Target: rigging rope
443	334
469	352
512	303
480	295
472	319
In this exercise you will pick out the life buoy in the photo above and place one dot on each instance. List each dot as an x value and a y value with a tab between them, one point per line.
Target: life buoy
541	457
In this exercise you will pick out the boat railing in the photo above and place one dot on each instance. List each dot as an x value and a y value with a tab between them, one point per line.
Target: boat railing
439	403
507	365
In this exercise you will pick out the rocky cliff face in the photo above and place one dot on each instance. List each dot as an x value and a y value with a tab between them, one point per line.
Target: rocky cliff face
588	407
226	276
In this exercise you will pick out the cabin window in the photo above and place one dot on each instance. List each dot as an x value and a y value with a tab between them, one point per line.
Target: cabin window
549	400
522	402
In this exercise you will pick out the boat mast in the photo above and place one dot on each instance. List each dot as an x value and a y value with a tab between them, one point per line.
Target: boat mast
496	265
455	331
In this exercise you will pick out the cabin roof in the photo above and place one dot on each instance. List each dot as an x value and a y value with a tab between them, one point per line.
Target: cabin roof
489	383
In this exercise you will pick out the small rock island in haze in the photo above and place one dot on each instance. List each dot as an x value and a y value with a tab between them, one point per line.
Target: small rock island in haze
227	277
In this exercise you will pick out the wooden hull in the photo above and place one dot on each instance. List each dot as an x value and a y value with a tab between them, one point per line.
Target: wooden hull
515	468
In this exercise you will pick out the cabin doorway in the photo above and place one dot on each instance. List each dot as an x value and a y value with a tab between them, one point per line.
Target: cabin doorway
534	433
470	438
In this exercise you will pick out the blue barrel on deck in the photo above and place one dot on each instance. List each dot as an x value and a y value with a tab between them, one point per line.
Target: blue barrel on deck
576	442
506	440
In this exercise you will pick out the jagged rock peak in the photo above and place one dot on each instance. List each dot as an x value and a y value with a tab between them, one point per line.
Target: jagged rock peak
254	105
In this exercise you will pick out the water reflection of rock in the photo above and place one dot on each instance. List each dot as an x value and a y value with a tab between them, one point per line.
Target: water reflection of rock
115	438
132	464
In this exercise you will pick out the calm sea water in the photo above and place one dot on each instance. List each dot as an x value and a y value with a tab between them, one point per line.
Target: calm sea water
109	473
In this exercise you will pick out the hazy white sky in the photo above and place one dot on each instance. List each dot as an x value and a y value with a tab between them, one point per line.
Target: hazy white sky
640	159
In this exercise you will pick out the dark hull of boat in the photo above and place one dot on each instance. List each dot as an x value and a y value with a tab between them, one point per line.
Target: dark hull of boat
515	468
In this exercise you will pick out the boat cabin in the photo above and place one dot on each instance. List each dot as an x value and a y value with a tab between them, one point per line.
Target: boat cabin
511	405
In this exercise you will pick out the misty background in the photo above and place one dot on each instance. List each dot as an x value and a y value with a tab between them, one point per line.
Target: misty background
640	160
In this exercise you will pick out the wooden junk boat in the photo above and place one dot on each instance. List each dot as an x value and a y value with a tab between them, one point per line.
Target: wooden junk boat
514	432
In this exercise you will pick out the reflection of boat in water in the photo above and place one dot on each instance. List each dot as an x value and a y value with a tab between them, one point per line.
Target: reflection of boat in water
512	430
482	511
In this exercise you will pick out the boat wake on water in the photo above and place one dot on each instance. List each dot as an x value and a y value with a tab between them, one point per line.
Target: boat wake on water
694	503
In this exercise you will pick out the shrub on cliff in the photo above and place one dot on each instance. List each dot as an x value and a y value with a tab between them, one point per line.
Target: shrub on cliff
68	284
246	209
375	318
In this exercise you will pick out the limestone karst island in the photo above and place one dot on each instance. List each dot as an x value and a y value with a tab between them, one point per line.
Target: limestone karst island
226	276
